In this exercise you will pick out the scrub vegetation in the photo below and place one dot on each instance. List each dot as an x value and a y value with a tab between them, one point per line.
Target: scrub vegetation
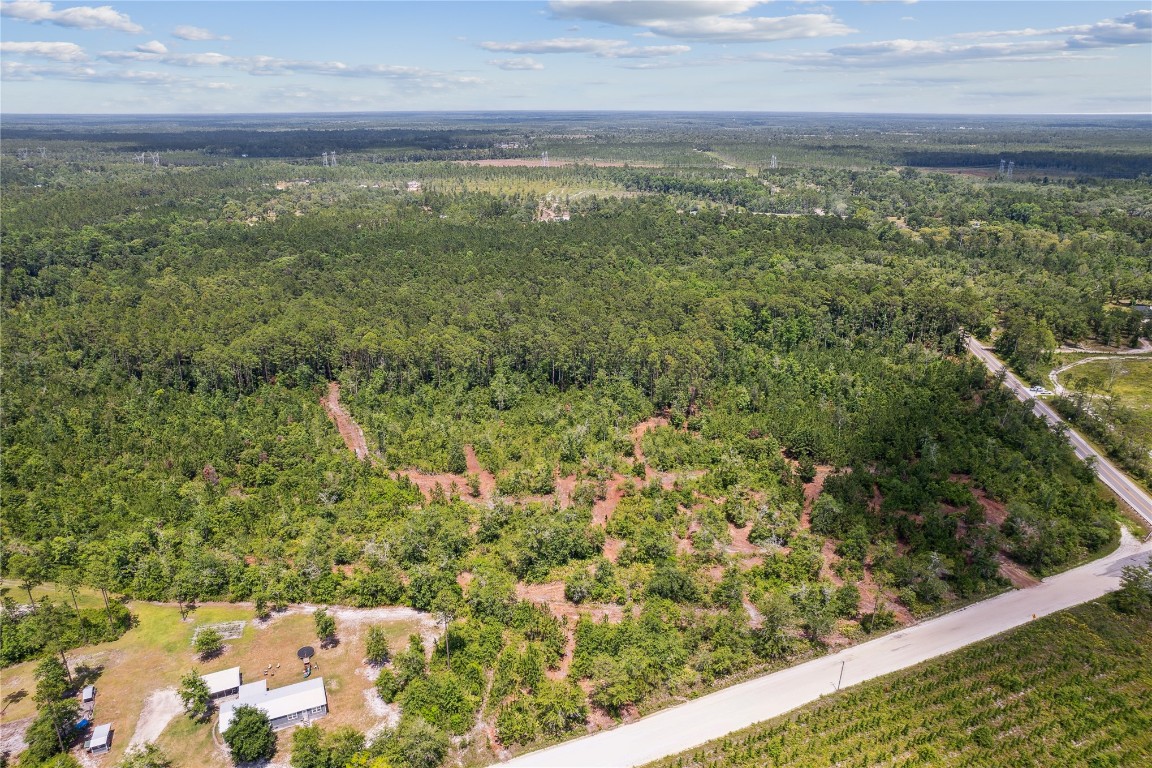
625	432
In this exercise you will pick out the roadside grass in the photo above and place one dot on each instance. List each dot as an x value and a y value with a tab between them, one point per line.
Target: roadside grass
158	651
1071	689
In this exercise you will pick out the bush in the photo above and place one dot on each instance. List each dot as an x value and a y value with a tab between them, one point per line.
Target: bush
208	643
147	756
376	646
387	685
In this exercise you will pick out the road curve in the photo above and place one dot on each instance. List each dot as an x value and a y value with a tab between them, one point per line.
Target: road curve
689	725
1120	484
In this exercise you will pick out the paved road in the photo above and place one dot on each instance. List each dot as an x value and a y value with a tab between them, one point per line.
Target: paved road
688	725
1131	494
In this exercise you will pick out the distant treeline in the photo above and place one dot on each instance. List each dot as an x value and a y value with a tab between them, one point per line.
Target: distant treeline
1105	164
291	143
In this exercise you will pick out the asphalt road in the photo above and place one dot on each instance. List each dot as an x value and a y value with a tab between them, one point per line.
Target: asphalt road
1130	493
688	725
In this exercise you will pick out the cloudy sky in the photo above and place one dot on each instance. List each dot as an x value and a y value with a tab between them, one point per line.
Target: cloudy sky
996	56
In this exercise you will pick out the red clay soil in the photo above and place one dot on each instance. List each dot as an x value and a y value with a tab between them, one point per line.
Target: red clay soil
551	594
451	483
830	558
639	430
1015	573
740	544
487	479
813	490
603	508
349	430
612	548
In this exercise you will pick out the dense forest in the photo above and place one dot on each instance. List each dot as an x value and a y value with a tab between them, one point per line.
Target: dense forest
727	412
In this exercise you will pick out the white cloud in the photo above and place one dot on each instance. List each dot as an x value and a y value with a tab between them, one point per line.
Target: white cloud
556	45
517	63
646	52
269	66
605	49
704	20
80	17
153	46
57	51
188	32
1131	29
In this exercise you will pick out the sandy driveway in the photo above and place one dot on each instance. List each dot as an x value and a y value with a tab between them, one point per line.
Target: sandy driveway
159	709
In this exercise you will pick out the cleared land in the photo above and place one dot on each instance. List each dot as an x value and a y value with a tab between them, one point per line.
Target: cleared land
1129	381
137	675
1067	690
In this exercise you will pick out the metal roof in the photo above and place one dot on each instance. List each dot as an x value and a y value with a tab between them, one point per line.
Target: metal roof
100	735
224	680
276	703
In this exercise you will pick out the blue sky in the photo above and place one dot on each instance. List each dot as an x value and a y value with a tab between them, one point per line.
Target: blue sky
164	56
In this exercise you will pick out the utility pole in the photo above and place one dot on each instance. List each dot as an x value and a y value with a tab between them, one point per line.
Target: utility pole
842	663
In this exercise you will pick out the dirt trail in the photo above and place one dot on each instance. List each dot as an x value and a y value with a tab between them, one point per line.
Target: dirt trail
349	429
159	709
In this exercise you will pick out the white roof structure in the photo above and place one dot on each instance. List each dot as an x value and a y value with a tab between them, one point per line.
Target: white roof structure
100	736
88	693
281	702
224	680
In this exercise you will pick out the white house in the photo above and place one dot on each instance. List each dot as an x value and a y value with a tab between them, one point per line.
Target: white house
292	704
226	682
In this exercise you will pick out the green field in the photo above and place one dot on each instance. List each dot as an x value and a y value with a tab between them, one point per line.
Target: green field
1129	382
1071	689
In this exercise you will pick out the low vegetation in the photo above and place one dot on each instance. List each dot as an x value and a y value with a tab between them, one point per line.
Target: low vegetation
1068	689
707	418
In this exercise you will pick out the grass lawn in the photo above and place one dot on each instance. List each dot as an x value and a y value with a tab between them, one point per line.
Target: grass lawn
1071	689
154	655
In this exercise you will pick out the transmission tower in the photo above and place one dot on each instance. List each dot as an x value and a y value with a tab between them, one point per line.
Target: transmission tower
325	159
43	152
544	160
773	164
1011	165
1001	167
22	153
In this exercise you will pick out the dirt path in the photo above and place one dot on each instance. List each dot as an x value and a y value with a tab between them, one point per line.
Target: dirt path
349	429
159	709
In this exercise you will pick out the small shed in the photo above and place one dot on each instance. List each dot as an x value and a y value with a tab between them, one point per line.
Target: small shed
88	695
101	740
226	682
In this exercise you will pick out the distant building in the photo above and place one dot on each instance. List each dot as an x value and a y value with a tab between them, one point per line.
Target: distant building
292	704
101	740
413	186
226	682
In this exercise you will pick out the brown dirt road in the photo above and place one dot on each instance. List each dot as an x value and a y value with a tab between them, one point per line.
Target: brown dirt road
349	429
